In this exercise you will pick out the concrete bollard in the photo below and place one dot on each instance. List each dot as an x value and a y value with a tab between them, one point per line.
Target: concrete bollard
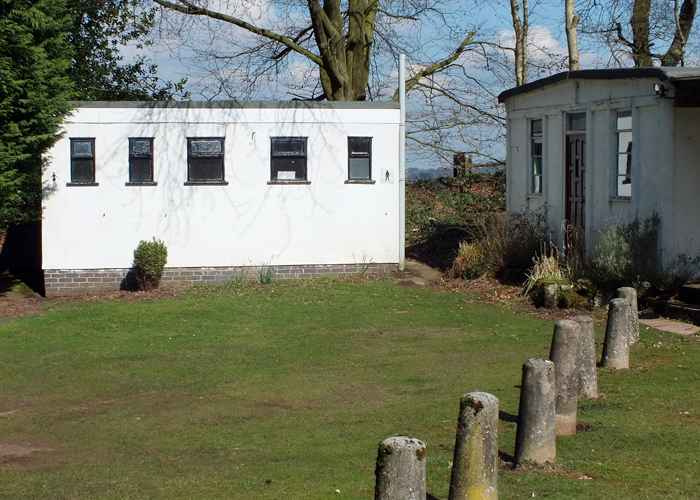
550	296
475	466
630	295
616	351
588	377
565	356
400	469
535	439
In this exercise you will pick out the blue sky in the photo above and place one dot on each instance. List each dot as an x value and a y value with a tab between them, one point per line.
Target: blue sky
192	47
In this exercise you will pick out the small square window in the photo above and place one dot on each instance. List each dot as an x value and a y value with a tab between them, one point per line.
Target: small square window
82	162
205	160
359	159
576	122
288	159
141	161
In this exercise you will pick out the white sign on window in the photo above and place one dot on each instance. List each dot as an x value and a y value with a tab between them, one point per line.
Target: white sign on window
283	175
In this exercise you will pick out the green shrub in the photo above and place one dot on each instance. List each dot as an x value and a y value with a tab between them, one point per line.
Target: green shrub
267	273
626	255
512	241
471	261
549	268
630	255
150	258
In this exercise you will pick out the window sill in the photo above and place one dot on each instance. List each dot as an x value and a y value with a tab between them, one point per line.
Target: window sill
206	183
623	199
74	184
360	181
145	183
534	195
288	182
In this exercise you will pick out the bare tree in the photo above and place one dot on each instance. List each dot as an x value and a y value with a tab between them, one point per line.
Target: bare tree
572	20
336	37
638	29
521	27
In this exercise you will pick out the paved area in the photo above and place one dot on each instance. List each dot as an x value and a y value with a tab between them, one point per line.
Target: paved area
418	273
669	325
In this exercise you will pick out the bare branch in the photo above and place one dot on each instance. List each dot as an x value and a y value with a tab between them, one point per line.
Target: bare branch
191	9
437	67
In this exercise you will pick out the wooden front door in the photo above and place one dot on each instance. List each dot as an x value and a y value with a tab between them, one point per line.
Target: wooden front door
575	179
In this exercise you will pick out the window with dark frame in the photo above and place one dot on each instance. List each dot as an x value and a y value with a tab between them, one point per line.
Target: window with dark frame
288	159
623	157
359	159
82	161
205	160
141	161
536	156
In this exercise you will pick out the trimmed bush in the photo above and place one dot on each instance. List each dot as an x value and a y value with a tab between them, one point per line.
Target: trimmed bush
150	258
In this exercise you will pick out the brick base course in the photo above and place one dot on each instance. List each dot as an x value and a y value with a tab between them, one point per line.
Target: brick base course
76	281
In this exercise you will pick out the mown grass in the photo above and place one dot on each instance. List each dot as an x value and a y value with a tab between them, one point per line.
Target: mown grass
284	391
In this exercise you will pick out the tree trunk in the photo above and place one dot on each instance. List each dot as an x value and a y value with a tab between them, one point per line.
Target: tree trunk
572	34
521	28
345	68
641	51
684	22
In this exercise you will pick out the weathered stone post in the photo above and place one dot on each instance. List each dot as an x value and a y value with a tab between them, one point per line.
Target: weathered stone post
588	382
616	351
630	295
535	439
550	295
400	469
565	356
475	465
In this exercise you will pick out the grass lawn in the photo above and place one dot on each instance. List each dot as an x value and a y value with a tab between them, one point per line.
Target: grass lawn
285	391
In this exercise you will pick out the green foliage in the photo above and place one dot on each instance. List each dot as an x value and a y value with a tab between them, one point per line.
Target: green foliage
240	275
98	31
266	273
150	258
626	255
549	268
363	265
471	261
630	255
442	213
34	94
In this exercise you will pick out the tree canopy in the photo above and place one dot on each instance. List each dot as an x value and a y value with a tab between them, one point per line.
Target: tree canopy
97	33
34	94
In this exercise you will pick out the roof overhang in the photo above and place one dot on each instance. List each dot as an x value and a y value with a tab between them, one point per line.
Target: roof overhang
686	81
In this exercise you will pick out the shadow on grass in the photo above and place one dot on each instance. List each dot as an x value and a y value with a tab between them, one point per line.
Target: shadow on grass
507	417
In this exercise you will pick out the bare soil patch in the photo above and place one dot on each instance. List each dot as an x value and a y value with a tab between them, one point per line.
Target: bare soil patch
14	307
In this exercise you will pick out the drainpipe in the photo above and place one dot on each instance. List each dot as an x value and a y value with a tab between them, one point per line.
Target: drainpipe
402	161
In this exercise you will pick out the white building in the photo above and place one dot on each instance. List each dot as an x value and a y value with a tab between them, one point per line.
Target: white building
309	187
608	146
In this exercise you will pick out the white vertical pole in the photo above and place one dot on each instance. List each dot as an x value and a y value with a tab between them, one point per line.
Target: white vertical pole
402	162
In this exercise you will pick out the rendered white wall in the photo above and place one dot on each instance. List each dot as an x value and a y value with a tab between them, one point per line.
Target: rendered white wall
247	221
666	170
686	182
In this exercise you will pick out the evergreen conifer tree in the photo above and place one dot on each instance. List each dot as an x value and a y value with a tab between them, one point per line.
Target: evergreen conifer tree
34	95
